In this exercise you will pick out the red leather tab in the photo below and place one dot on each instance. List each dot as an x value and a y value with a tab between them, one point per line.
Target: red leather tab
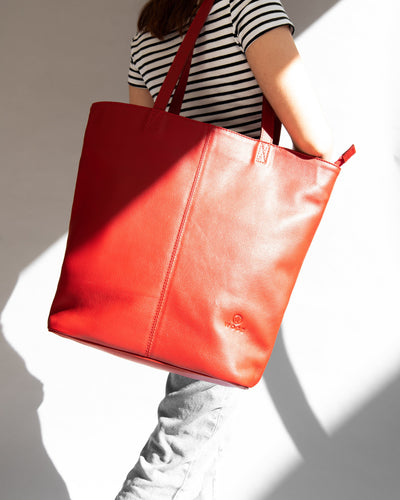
346	156
263	152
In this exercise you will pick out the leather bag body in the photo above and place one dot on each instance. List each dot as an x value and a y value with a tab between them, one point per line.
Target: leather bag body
186	239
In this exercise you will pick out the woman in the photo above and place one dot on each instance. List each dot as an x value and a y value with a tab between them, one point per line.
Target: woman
244	50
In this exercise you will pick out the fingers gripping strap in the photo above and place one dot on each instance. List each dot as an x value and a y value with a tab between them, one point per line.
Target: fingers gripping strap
182	55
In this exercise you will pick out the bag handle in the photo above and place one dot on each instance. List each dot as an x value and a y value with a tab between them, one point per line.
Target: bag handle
178	74
179	71
270	123
184	53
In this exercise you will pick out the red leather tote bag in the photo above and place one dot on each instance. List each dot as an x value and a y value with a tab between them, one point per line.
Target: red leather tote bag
186	239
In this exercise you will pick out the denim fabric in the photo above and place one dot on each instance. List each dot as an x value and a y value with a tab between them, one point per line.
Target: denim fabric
179	459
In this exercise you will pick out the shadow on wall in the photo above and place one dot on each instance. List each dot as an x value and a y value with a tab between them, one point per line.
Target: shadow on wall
26	470
359	461
49	80
40	146
304	13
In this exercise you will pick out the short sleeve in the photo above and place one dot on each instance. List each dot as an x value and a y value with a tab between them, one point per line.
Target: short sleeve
253	18
134	77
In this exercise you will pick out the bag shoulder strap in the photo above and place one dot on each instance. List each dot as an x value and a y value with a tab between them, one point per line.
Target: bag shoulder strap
184	53
179	72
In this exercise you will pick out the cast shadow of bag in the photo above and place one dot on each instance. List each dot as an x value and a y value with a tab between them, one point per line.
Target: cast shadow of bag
26	470
359	460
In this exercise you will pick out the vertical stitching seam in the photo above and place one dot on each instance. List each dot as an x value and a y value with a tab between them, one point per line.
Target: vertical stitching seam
176	248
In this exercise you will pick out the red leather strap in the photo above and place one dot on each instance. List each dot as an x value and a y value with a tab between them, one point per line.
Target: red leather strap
179	70
176	103
184	51
270	125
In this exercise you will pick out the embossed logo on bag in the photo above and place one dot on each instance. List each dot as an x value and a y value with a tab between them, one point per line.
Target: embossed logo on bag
236	323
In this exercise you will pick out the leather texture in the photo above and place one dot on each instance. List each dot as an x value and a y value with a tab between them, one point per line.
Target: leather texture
186	239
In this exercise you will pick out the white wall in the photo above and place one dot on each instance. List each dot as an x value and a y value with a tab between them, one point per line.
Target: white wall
324	421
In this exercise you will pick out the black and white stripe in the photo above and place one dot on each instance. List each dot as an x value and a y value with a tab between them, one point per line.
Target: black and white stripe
221	87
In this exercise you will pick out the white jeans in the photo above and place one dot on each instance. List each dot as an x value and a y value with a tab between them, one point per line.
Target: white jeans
179	459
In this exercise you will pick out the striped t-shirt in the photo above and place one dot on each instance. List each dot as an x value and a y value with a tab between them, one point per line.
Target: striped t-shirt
221	87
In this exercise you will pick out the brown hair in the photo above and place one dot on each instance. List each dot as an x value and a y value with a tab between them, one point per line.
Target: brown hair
160	17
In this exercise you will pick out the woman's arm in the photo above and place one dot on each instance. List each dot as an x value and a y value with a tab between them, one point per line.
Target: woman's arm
140	96
276	64
279	71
